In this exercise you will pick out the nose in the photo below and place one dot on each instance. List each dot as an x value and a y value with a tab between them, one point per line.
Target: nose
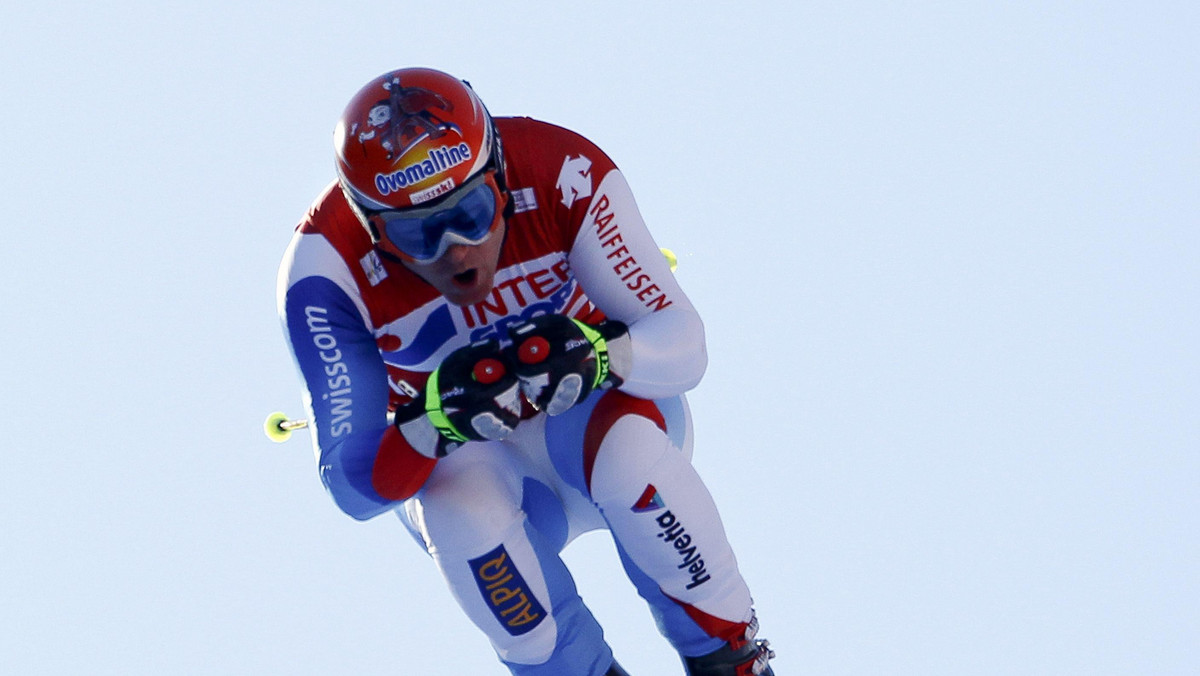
456	254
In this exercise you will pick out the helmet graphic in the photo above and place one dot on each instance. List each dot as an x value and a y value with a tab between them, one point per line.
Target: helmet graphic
409	139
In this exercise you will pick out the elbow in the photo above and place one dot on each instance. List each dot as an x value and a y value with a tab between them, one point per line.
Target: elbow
350	491
669	355
357	509
699	365
691	372
697	351
375	474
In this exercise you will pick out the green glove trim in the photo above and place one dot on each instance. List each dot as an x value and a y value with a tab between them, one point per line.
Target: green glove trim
600	347
433	409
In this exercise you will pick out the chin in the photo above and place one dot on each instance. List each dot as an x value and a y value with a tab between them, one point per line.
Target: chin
460	296
463	299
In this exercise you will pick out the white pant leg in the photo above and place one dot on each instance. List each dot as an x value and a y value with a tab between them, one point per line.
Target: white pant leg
663	515
469	514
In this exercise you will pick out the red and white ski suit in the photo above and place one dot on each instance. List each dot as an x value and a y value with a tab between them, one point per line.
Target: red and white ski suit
366	332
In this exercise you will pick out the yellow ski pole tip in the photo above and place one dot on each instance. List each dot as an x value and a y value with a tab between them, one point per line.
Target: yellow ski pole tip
275	429
671	259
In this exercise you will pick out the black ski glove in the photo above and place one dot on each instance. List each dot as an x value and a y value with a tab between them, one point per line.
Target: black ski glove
473	395
561	360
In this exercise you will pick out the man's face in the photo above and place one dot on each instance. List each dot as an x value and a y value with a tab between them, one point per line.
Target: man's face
464	274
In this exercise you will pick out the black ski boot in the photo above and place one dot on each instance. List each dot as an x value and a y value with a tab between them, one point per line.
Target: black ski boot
745	656
616	670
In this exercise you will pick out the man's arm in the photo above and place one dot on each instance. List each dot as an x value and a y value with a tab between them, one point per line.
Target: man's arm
623	272
364	462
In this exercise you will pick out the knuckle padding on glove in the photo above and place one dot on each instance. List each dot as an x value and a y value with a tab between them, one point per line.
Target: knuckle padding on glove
474	394
559	360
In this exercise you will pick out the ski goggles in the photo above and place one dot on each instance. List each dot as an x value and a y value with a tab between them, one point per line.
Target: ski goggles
467	215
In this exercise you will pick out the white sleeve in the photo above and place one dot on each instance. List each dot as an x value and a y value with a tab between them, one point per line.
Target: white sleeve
314	256
624	273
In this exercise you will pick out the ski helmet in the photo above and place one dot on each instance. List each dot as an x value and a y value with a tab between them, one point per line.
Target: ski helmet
407	141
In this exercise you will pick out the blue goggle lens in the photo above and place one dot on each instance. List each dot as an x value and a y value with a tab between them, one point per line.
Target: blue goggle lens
424	233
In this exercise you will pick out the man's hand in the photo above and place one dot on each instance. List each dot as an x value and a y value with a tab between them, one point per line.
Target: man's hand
473	395
561	360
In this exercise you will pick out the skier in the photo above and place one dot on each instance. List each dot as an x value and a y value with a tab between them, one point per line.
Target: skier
494	348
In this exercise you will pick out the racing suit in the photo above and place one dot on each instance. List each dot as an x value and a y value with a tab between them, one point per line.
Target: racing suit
366	332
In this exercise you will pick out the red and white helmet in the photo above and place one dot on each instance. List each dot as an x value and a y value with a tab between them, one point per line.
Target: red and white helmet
412	136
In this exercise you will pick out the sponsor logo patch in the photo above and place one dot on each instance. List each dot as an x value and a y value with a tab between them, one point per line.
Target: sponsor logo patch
506	593
649	502
337	395
524	200
675	534
431	193
575	179
435	162
373	267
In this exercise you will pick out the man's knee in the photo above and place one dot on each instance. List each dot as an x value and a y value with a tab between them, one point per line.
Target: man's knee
469	500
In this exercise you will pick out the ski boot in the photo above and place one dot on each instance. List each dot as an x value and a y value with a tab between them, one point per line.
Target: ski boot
746	656
616	670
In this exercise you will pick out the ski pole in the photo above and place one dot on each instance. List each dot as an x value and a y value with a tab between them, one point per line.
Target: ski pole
672	260
279	427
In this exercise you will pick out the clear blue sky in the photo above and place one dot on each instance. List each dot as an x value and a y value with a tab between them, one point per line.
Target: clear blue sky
946	253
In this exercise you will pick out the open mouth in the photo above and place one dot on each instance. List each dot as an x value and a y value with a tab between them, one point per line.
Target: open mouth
466	278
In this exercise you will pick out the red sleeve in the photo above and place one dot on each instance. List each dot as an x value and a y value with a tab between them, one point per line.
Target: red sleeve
399	471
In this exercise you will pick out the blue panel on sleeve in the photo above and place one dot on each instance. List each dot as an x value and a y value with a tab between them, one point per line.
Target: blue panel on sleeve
347	383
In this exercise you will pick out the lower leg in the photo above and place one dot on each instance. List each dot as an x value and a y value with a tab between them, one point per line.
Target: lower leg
504	573
674	548
745	655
